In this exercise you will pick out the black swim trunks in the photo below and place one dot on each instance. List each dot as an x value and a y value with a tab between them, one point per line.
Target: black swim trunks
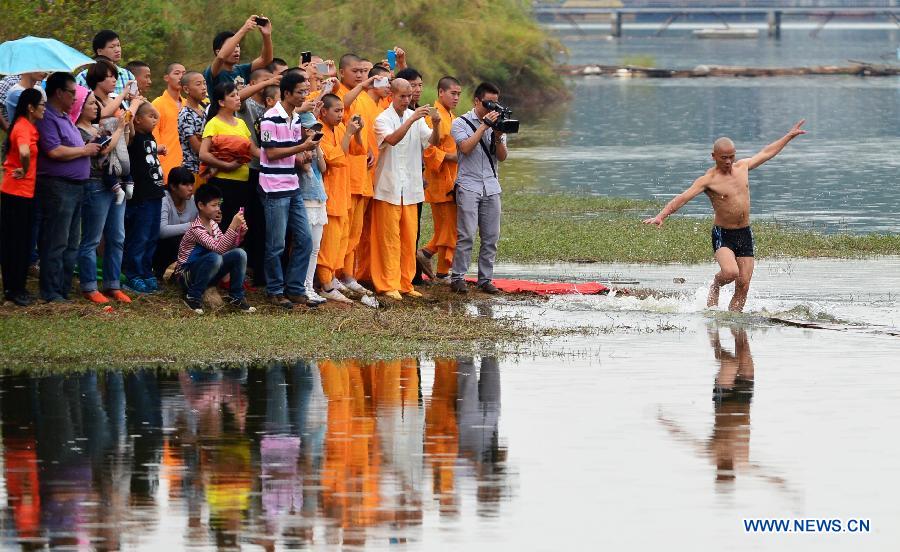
740	392
739	240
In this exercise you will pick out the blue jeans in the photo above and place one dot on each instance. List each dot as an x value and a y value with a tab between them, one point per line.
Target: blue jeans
204	268
285	213
141	235
100	216
60	200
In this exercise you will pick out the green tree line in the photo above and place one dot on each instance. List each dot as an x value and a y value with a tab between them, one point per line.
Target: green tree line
474	40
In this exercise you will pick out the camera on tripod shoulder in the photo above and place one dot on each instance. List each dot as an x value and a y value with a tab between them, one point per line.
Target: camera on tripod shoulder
504	123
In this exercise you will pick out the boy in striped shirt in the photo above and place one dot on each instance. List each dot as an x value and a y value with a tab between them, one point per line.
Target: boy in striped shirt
281	139
206	255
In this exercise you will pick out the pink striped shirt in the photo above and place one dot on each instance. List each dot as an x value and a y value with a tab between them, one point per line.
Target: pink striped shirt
278	130
212	239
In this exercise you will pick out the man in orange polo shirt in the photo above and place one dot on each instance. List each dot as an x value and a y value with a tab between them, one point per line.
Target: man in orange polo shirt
440	175
337	144
168	105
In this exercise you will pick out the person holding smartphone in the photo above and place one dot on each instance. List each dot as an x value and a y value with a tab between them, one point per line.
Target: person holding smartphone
440	175
402	137
102	213
226	66
355	80
281	140
358	265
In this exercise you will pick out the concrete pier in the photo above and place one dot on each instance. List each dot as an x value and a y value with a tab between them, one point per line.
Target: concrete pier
615	20
774	20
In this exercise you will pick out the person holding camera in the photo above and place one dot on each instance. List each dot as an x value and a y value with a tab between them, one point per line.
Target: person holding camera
480	148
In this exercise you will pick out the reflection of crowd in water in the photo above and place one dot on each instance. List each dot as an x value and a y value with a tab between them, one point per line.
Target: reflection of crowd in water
249	456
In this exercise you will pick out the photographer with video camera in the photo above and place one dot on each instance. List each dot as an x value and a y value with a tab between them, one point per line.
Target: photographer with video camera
480	137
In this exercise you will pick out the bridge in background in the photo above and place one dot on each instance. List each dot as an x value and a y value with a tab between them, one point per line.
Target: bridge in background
772	13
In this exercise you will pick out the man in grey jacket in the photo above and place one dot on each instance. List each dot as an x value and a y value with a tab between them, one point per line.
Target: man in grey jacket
480	150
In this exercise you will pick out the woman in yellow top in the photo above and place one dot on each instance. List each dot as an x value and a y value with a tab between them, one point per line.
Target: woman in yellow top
226	148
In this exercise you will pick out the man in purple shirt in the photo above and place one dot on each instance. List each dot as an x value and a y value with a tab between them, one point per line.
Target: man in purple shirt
63	167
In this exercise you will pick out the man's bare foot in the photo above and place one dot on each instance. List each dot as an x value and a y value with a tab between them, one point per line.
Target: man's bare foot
712	300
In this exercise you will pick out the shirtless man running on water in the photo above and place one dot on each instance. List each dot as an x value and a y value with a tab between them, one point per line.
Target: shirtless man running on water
728	187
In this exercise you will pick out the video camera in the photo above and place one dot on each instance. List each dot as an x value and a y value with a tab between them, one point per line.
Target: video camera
504	122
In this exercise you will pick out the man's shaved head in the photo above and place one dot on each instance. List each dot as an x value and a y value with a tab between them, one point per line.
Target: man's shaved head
399	85
348	60
723	144
402	91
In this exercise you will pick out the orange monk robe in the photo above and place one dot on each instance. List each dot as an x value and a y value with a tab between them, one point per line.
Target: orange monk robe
399	189
440	174
442	432
359	179
166	131
370	110
337	187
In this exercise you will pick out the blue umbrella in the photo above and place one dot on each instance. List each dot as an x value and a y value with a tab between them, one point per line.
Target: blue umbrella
32	54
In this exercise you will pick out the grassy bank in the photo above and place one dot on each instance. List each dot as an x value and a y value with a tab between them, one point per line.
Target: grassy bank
546	227
494	40
159	330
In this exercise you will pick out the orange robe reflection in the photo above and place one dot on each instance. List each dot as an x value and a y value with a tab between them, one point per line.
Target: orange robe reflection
350	472
442	434
22	486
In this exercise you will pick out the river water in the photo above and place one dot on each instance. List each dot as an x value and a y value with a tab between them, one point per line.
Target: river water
666	424
650	138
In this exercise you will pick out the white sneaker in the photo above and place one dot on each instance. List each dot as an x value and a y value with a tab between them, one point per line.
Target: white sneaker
335	295
445	280
369	301
355	286
338	285
314	298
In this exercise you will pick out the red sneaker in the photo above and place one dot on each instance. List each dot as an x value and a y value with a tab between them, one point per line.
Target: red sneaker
95	297
118	295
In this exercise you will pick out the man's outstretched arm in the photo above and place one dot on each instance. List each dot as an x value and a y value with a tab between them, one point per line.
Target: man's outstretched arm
775	147
678	201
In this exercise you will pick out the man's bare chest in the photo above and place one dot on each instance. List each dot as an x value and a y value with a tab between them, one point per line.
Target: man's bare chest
729	189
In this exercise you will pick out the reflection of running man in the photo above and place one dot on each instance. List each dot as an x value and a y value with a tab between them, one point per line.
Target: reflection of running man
728	187
733	391
729	445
